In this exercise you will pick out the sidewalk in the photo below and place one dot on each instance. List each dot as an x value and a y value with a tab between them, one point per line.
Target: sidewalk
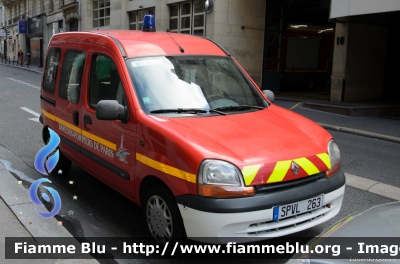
378	127
19	219
32	68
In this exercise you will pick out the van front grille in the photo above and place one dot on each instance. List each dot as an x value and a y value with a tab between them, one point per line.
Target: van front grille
267	188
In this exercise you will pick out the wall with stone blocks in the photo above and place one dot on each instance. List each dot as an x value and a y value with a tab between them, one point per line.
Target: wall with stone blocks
224	26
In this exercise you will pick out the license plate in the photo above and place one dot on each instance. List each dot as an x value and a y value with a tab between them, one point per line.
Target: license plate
288	210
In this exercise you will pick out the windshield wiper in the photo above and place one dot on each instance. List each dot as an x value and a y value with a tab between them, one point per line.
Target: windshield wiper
185	110
236	107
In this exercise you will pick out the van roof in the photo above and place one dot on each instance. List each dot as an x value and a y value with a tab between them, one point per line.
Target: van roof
136	43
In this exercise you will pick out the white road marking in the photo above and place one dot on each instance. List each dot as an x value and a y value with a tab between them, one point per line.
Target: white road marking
25	83
36	119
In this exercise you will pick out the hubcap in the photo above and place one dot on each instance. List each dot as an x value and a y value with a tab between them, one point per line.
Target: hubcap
159	219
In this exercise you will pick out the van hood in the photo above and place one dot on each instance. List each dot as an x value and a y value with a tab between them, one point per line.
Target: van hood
262	144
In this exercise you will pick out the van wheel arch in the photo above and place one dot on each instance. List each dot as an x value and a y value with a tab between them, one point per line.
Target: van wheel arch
146	184
155	196
45	134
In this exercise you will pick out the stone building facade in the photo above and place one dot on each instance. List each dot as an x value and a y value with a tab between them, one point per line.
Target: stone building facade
366	57
226	23
365	53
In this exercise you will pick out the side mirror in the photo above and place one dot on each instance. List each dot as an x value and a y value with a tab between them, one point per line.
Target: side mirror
110	110
269	94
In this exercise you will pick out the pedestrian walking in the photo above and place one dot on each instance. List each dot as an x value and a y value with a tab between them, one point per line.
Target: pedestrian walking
20	57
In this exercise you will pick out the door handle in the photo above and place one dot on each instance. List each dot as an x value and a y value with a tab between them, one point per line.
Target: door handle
75	117
87	119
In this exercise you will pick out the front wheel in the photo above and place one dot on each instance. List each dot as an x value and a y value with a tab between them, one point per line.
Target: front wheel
162	215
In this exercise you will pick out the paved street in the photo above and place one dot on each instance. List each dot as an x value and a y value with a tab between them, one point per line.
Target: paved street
99	211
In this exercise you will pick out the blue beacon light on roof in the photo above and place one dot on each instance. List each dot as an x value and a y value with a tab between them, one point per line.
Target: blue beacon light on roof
149	23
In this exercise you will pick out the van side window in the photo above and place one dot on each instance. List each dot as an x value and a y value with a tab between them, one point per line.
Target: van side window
71	75
50	72
105	82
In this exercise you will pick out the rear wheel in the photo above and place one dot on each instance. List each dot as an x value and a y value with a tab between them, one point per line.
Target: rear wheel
63	165
162	215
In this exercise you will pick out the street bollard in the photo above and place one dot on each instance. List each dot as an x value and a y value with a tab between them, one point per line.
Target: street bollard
13	60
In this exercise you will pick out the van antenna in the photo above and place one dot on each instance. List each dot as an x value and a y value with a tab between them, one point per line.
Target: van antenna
180	48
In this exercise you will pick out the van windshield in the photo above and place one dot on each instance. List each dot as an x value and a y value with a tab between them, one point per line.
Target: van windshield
178	84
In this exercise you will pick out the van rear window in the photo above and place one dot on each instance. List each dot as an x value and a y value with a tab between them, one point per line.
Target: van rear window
50	72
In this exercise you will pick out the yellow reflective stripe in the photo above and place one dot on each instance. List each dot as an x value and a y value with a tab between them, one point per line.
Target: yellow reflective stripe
279	172
325	159
166	168
80	131
48	115
70	126
249	172
99	140
307	165
62	122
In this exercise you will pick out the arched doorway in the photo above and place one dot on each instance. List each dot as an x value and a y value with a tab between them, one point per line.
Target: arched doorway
73	24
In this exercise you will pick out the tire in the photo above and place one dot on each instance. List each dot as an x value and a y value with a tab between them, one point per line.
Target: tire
162	216
63	165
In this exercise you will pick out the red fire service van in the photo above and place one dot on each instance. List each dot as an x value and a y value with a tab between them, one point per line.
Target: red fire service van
175	124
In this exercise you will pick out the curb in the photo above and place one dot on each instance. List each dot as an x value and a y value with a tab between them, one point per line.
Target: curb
16	198
361	133
22	68
379	188
15	195
350	130
287	99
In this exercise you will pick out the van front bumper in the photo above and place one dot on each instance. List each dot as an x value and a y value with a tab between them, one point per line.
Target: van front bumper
250	218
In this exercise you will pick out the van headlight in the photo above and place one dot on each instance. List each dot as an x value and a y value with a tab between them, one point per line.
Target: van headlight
217	178
334	156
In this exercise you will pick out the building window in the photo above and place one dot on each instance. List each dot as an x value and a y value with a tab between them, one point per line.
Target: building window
73	24
34	7
15	13
188	18
60	26
136	18
101	13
